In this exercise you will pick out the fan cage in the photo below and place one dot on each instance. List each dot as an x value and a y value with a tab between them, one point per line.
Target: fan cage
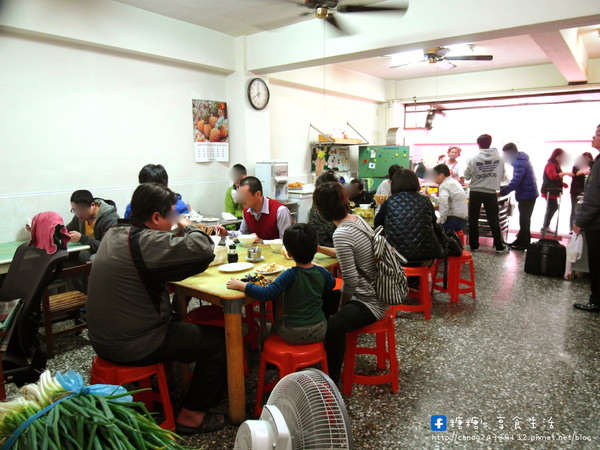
314	411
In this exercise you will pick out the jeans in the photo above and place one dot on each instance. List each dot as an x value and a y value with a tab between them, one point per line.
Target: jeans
492	211
551	208
352	316
592	238
204	345
455	224
574	203
525	211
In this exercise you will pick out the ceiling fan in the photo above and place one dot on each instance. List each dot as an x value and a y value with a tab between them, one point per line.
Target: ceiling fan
329	9
440	55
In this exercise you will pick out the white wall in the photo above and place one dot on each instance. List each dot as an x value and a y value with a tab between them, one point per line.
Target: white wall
78	117
112	25
249	142
336	79
85	117
327	97
293	109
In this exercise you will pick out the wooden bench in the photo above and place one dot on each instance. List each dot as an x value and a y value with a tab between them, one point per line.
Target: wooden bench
64	305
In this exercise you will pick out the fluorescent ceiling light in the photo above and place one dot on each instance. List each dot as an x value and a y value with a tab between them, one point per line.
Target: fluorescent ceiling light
461	49
412	56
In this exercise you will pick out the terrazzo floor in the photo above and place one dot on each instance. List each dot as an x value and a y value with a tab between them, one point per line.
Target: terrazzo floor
516	368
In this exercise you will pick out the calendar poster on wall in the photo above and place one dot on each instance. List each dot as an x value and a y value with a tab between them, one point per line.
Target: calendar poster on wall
211	130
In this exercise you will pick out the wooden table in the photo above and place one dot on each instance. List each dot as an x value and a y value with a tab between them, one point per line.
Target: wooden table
8	249
211	286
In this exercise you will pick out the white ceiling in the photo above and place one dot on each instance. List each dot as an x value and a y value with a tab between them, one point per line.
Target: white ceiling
234	17
245	17
591	39
508	52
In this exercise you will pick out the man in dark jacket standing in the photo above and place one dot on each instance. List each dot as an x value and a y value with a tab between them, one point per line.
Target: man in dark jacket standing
129	309
588	220
526	192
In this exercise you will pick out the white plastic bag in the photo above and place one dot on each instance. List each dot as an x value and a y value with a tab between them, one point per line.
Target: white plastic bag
575	248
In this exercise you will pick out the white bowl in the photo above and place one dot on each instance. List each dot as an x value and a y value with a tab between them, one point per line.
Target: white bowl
216	239
247	239
365	205
276	245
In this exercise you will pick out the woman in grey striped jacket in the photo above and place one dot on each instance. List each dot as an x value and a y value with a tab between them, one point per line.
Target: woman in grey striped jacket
360	305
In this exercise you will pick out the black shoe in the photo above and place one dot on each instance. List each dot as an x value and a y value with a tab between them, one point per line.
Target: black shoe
518	247
591	307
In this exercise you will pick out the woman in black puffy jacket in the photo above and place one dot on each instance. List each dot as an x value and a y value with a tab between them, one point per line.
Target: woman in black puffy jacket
410	222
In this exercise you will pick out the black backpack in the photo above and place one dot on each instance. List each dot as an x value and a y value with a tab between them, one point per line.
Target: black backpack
454	244
450	242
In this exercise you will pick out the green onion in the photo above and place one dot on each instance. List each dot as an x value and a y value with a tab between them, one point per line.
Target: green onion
89	421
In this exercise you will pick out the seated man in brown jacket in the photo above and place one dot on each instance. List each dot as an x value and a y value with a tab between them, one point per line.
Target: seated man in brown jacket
129	311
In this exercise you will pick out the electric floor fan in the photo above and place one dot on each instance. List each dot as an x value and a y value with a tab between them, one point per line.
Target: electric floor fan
304	411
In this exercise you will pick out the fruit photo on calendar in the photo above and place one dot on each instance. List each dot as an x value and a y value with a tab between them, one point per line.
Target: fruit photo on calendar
210	121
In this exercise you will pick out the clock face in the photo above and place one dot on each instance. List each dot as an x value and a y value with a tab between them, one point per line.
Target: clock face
258	93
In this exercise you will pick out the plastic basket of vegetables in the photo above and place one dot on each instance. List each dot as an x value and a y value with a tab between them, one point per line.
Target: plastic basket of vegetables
62	413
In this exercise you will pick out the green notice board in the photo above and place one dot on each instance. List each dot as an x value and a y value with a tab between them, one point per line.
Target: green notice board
374	160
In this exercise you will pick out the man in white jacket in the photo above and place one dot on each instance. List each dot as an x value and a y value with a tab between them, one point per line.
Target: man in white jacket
485	172
452	200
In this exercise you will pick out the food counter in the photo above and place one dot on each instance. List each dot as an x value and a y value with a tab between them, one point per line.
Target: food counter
505	211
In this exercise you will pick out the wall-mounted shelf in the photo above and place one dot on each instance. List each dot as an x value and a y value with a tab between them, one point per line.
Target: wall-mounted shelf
338	141
327	139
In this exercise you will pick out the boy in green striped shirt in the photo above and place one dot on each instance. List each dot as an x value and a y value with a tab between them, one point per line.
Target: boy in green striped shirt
302	286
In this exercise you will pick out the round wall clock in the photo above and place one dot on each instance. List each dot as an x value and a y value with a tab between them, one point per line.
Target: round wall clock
258	93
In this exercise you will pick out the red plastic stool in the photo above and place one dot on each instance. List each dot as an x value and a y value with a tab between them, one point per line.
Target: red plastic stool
268	310
423	293
250	320
454	277
212	315
384	330
106	372
462	236
288	358
339	284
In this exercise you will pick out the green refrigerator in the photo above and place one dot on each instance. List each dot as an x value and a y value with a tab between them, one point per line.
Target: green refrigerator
374	161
